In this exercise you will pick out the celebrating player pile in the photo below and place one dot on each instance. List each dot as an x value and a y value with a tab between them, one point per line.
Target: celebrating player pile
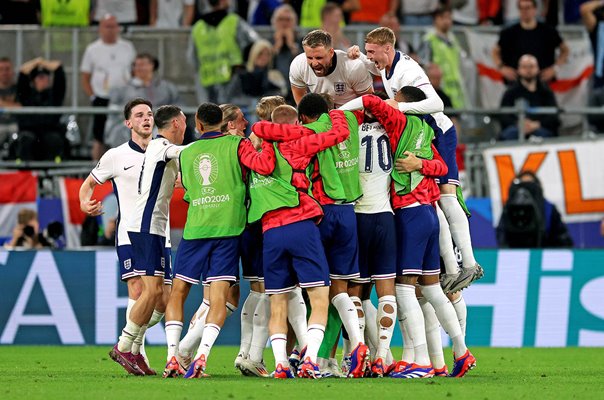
320	205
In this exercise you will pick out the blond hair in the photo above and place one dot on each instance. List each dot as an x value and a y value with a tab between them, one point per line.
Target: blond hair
229	114
284	114
266	105
257	48
381	36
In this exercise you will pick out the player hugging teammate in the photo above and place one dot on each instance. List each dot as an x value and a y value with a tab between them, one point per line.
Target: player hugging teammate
320	205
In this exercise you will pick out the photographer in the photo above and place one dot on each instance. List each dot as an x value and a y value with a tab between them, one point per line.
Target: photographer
25	233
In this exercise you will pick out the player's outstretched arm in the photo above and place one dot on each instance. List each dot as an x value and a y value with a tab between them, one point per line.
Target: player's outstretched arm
311	145
88	205
280	132
262	162
354	52
432	104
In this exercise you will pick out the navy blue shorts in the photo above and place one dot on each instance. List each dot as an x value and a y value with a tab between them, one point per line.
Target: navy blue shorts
125	259
417	232
212	259
293	254
339	236
148	254
446	144
377	247
250	248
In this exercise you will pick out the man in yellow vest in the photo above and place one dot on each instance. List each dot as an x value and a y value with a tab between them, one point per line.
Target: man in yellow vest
216	46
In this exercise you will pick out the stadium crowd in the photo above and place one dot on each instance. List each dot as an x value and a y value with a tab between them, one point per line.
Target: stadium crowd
112	70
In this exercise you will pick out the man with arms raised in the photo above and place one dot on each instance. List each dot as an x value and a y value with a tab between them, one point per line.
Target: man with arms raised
321	69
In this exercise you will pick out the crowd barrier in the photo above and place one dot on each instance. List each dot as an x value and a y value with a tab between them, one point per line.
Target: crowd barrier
527	298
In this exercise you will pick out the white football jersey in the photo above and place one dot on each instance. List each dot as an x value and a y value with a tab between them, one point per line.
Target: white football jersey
406	72
375	164
349	79
122	166
155	188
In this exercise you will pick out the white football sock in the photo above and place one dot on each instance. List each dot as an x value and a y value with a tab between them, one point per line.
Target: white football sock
371	329
435	343
446	316
210	333
138	341
460	228
279	346
296	315
193	337
173	331
408	355
462	313
314	337
348	314
262	315
247	322
155	318
128	335
413	321
230	309
445	244
386	313
131	303
360	315
389	357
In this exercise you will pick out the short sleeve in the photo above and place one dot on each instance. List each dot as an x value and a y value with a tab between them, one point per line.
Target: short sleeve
104	168
86	65
296	77
360	78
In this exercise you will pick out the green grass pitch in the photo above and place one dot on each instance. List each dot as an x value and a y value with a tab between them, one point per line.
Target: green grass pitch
38	372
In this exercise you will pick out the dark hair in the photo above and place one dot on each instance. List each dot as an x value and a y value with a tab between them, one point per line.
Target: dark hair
133	103
381	94
312	105
440	10
527	173
411	94
209	114
6	59
328	8
534	2
151	58
165	114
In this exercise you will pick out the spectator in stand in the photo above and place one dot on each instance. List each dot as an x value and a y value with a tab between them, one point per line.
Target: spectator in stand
260	12
41	83
123	10
26	233
391	21
331	21
417	12
259	78
441	47
106	64
529	36
8	95
528	219
311	11
435	75
65	13
145	83
537	94
20	12
372	12
592	14
216	46
286	42
168	14
477	12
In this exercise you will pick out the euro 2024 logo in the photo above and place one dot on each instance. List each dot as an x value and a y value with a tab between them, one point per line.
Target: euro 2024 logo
206	172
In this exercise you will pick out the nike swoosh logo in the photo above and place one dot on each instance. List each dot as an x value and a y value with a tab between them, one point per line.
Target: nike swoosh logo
127	168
